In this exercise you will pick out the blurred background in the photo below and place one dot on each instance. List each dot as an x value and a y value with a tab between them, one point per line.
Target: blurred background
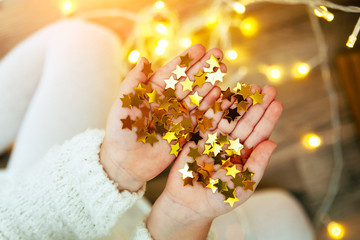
301	49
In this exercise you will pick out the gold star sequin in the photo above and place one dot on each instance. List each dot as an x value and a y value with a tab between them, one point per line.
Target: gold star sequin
221	185
169	136
126	101
200	79
213	62
247	174
185	60
211	138
216	149
232	171
245	91
195	98
185	172
242	106
231	200
175	149
147	69
127	123
216	76
257	98
236	145
153	96
207	150
187	85
211	184
249	185
179	72
170	83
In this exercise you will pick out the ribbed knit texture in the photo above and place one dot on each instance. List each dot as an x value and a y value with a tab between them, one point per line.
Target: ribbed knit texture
66	196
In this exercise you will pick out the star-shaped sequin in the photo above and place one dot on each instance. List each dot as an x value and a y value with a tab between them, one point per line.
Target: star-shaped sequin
170	83
185	60
179	72
185	172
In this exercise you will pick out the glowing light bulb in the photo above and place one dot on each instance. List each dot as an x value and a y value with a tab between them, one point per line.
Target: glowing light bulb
301	70
67	7
351	41
160	50
162	43
159	5
273	73
249	27
161	28
185	42
232	54
238	7
311	140
324	13
134	56
335	230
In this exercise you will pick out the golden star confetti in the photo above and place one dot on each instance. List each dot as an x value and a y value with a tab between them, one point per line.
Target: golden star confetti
165	118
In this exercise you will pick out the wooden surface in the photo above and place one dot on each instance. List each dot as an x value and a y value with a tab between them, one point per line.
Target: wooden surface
285	37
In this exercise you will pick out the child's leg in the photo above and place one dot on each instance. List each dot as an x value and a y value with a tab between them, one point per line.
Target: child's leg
79	79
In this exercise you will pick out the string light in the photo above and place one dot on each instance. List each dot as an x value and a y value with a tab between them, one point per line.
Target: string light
301	70
273	73
212	20
232	54
162	43
239	8
160	51
311	141
67	7
134	56
161	28
249	27
352	38
335	230
159	5
324	13
185	42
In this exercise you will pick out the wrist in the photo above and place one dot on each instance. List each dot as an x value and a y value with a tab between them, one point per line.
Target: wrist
116	173
170	219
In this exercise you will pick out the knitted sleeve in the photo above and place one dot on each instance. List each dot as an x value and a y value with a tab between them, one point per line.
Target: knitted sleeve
142	233
66	196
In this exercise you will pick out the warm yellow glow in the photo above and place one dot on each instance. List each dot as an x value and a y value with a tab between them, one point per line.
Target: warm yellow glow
160	50
67	7
249	26
161	28
162	43
232	54
134	56
212	20
185	42
335	230
301	70
238	7
273	73
159	4
351	41
324	13
311	140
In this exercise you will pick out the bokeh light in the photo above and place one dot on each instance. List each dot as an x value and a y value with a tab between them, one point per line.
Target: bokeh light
134	56
249	27
336	230
311	140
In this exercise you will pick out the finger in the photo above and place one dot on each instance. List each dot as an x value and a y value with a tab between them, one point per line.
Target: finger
194	70
134	77
259	159
248	121
265	126
196	52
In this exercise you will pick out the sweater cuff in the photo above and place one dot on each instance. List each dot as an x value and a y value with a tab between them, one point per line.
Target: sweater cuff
102	202
142	233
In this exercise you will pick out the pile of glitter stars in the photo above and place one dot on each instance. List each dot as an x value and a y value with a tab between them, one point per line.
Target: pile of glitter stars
166	117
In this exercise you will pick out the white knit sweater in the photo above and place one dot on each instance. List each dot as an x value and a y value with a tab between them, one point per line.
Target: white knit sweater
66	196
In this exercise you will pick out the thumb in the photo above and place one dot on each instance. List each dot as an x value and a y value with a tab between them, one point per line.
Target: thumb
259	159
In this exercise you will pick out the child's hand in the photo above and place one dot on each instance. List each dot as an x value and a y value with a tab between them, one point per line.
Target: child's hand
131	163
186	212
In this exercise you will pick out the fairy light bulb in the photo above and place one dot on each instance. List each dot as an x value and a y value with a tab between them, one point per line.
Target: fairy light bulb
232	54
159	5
352	38
273	73
324	13
249	27
336	230
134	56
185	42
311	140
67	7
301	70
161	28
239	8
160	50
162	43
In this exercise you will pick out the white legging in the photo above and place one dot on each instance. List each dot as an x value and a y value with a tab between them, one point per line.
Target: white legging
54	85
63	80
